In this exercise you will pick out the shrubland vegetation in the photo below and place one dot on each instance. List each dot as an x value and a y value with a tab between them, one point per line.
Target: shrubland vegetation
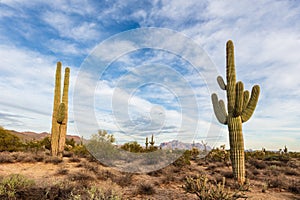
199	178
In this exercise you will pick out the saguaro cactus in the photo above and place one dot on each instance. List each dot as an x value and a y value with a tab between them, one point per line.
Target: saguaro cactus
152	141
146	143
60	113
240	108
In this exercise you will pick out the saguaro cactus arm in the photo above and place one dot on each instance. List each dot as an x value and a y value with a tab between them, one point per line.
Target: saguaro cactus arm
248	111
219	109
61	113
221	82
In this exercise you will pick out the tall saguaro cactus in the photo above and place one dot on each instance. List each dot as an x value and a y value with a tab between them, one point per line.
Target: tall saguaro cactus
240	108
60	112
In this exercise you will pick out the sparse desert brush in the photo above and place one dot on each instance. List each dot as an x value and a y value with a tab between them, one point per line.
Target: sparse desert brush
9	142
205	190
279	181
258	164
62	171
218	155
6	157
94	192
183	160
80	176
123	180
105	175
145	189
294	186
74	159
80	150
53	160
11	184
291	172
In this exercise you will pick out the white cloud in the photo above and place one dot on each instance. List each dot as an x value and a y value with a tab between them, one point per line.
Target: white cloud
69	27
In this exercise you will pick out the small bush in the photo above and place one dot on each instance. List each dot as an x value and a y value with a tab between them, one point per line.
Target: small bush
276	182
6	157
53	160
74	159
11	184
294	187
258	164
62	171
291	172
205	190
9	142
80	177
183	160
104	175
80	150
146	189
124	180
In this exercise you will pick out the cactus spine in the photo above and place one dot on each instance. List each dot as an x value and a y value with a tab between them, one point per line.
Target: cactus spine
240	108
60	113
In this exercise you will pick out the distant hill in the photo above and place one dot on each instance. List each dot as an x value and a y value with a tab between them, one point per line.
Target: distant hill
175	144
28	136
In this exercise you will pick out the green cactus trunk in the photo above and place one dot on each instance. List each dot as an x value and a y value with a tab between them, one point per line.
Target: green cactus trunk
55	125
236	142
63	131
60	113
240	108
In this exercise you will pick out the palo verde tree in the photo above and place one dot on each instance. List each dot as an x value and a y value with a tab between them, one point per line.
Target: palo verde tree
239	110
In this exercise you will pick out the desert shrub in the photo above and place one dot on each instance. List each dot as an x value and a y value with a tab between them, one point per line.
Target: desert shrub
62	171
6	157
132	147
151	158
195	153
124	180
227	174
11	184
156	173
218	155
105	175
294	187
80	176
291	172
101	147
53	160
94	192
80	150
183	160
258	164
205	190
70	142
276	182
46	142
146	189
278	157
90	167
9	142
260	155
74	159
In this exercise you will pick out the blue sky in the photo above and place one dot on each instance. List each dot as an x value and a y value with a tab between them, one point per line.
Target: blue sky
34	35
